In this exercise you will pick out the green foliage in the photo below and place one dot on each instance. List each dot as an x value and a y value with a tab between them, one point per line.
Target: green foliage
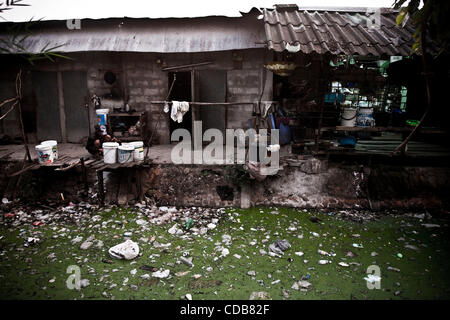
16	44
432	17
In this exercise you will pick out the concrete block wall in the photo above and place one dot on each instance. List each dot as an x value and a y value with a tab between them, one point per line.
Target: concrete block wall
145	81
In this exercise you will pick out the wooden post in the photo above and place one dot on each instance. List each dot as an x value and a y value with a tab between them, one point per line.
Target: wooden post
101	190
19	108
83	167
62	113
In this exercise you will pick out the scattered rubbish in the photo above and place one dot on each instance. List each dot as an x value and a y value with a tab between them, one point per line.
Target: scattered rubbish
343	264
133	272
211	226
188	296
314	219
399	255
251	273
161	274
187	261
107	261
373	253
323	253
279	246
225	252
84	283
148	268
315	234
259	295
175	230
301	284
31	241
393	269
189	223
412	247
372	278
299	253
431	225
126	250
181	273
86	245
357	245
324	261
236	256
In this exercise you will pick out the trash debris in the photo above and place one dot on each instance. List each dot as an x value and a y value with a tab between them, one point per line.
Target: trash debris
251	273
431	225
301	284
372	278
262	295
393	269
279	246
225	252
127	250
343	264
357	245
187	261
299	253
86	245
161	274
175	230
188	296
324	261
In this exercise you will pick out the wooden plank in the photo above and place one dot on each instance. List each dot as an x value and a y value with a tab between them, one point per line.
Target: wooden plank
30	167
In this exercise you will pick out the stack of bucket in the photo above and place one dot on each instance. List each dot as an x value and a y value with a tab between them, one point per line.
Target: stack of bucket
47	151
124	153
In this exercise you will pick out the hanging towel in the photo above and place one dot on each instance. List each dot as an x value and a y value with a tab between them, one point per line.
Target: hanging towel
267	105
179	108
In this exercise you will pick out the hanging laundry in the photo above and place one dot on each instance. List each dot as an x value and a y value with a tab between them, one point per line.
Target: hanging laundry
179	108
266	105
166	107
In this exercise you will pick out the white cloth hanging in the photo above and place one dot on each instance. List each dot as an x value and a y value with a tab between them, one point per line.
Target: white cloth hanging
179	108
166	107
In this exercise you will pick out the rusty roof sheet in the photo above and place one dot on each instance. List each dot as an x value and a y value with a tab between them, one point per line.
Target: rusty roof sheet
146	35
336	32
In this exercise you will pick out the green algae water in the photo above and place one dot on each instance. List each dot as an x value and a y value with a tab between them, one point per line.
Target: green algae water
412	256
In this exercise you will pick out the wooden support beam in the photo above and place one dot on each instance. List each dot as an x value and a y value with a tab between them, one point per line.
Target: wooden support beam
62	113
101	186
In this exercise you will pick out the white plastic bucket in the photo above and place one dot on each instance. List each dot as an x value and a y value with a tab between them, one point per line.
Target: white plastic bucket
348	117
365	117
138	150
110	152
102	116
125	153
54	145
45	154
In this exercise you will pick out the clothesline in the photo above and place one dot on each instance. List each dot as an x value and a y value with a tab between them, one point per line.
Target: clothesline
214	103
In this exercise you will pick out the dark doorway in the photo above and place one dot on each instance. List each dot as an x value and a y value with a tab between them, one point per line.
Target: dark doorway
213	88
181	92
75	88
47	110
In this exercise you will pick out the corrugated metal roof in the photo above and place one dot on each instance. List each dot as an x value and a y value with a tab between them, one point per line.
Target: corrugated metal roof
336	32
148	35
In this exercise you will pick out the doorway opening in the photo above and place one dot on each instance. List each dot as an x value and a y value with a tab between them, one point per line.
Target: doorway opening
181	91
